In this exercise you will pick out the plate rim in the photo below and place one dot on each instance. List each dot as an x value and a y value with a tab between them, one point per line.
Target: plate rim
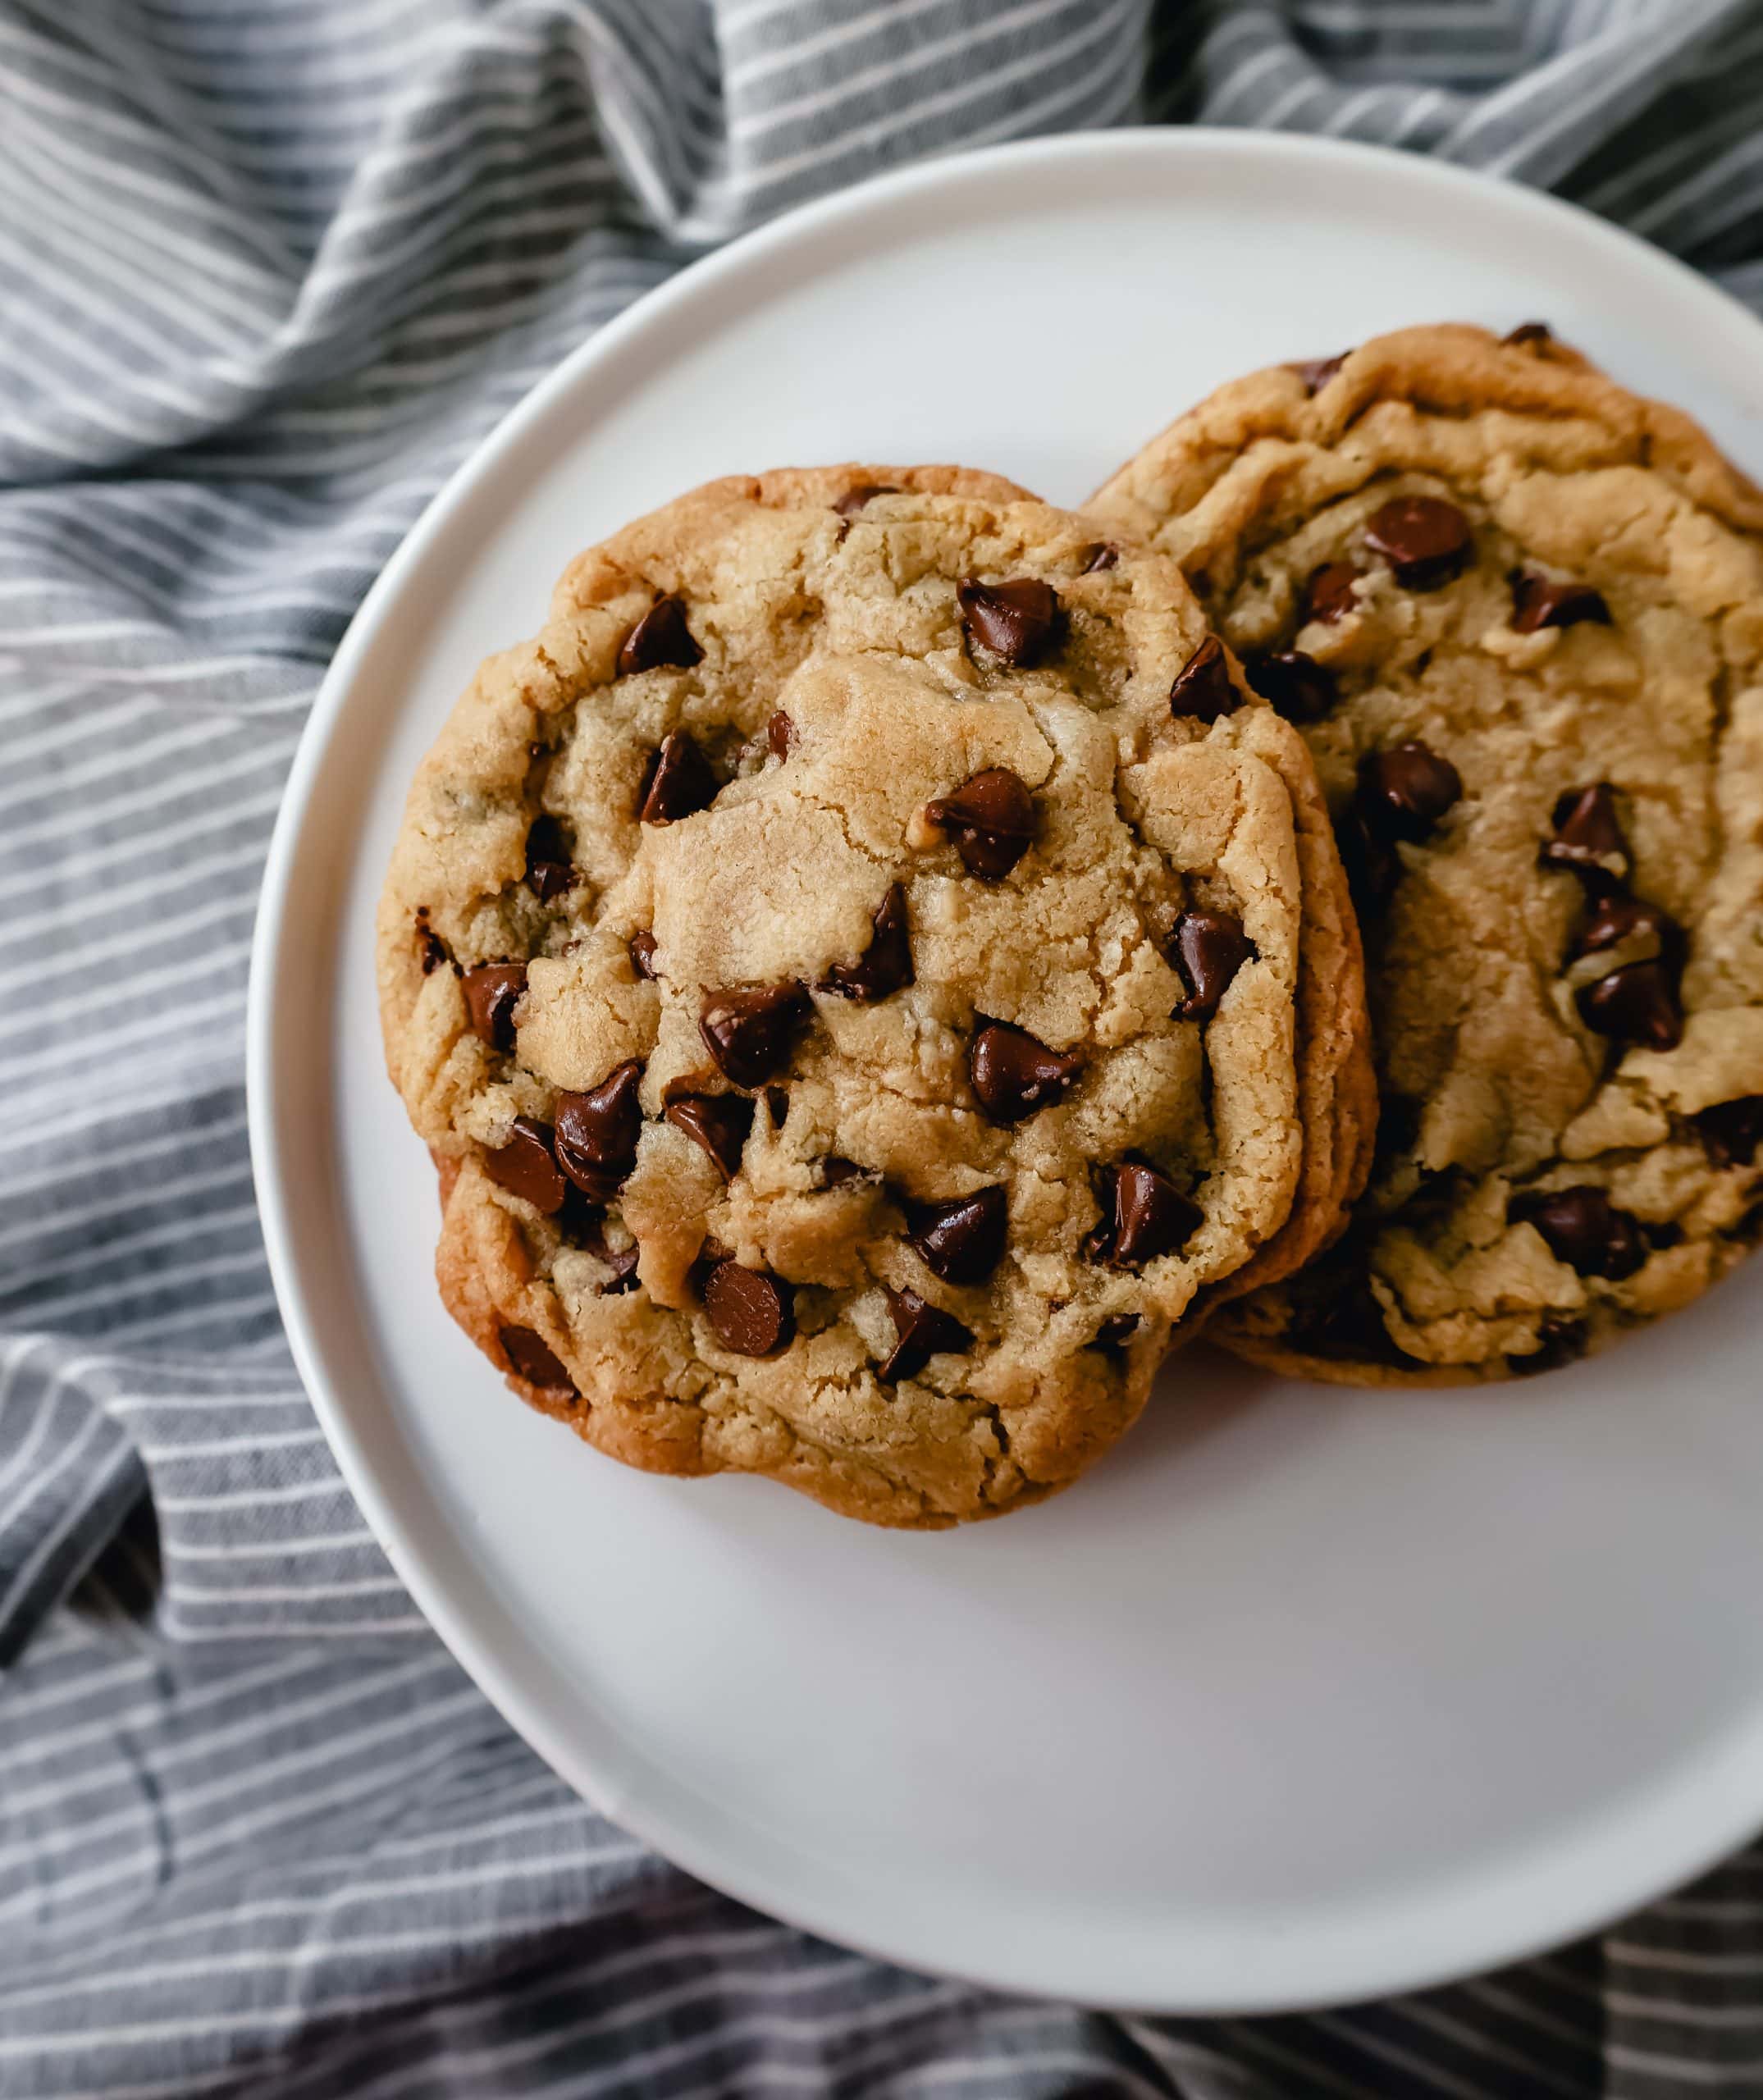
1405	1970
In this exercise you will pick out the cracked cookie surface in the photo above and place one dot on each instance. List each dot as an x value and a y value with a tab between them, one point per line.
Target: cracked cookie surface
852	1009
1518	615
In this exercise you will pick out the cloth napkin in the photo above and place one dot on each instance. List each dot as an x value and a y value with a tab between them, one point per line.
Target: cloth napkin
269	270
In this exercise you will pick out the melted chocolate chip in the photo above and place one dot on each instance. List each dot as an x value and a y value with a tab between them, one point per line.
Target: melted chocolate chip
659	637
1328	593
1527	333
1018	620
1540	601
1587	832
1014	1074
719	1122
1426	541
750	1310
1295	685
1210	947
1315	373
1583	1228
1204	689
1635	1004
549	870
1731	1130
854	498
990	819
1114	1333
526	1167
1559	1343
642	945
1101	555
925	1331
1403	793
780	735
749	1033
492	991
596	1133
1613	916
962	1240
530	1357
1143	1216
680	781
886	964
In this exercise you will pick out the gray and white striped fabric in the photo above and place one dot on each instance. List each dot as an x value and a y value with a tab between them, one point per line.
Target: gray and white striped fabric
268	270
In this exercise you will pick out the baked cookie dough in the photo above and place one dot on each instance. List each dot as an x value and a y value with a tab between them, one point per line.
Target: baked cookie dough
850	985
1517	615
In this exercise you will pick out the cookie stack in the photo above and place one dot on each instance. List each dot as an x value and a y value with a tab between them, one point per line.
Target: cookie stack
877	970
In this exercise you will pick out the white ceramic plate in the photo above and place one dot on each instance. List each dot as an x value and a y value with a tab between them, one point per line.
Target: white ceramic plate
1303	1695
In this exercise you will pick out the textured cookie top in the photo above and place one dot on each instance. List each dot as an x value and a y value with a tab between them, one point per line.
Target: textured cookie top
1518	613
855	1004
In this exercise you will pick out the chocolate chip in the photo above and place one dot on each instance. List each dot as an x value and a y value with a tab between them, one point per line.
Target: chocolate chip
1209	947
925	1331
597	1132
1114	1333
835	1172
525	1166
748	1033
1014	1074
549	870
1528	332
780	735
854	498
1667	1232
1585	1230
1098	555
719	1122
749	1309
1315	373
434	951
1143	1215
530	1357
622	1261
492	991
962	1240
886	964
1204	689
642	945
1296	685
1403	793
1587	834
1540	601
1018	620
990	819
1426	541
680	781
1328	593
1636	1004
1731	1130
659	637
1613	916
1559	1343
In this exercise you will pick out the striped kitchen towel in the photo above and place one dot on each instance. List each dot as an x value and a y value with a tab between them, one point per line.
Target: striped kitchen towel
269	269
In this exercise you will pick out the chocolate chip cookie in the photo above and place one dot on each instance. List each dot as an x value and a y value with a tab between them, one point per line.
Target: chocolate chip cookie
1517	615
847	968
